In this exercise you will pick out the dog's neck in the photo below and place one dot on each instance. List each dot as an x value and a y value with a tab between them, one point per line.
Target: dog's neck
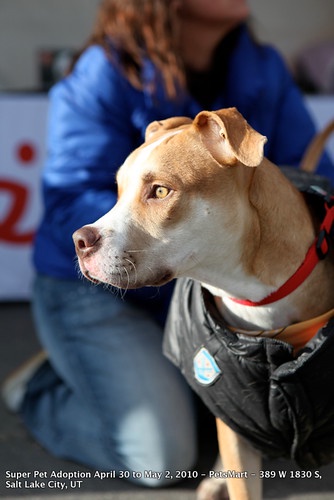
280	232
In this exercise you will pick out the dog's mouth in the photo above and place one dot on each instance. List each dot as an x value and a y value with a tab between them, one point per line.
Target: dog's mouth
91	278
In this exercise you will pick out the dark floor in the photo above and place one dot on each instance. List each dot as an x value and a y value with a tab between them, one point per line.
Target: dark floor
19	453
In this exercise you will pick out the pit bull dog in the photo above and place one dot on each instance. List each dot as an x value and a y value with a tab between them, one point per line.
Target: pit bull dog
199	200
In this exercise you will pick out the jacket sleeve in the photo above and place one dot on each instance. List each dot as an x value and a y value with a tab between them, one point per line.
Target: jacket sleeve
90	134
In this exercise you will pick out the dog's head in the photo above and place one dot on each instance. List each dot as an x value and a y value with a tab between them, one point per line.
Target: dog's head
178	192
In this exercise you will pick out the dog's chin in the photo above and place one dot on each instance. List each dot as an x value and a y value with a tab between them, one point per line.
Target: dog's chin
163	279
128	283
157	281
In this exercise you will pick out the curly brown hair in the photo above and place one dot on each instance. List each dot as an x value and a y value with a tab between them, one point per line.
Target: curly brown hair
137	29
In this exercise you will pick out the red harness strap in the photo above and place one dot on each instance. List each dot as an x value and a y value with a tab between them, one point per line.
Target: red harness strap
318	251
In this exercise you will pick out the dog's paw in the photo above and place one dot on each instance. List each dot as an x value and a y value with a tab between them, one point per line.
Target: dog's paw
212	489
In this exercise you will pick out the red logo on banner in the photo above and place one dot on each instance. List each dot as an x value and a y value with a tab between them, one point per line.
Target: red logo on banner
26	152
8	227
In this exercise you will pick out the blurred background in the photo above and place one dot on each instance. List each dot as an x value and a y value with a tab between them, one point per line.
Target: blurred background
34	32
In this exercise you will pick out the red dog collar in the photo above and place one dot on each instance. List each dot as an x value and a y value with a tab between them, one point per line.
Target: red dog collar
318	251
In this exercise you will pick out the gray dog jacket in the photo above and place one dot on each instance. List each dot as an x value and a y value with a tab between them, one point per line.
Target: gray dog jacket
282	404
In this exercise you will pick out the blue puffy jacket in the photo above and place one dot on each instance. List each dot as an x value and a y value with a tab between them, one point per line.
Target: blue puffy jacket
97	118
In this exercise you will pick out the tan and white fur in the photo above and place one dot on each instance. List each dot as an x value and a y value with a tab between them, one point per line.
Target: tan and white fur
198	199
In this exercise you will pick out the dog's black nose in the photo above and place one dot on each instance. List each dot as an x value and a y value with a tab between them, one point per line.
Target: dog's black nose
86	240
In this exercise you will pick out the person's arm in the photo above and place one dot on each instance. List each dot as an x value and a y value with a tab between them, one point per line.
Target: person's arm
90	135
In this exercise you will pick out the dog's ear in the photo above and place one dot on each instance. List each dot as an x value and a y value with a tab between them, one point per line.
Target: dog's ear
154	129
229	137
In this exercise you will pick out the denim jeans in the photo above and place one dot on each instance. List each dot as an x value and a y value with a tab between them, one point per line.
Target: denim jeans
107	397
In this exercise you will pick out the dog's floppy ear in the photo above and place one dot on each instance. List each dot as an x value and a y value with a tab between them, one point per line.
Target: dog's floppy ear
228	137
160	127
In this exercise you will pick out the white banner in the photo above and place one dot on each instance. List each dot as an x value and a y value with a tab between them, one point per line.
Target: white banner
22	155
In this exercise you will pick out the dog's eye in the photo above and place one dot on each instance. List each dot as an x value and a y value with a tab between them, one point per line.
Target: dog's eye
161	192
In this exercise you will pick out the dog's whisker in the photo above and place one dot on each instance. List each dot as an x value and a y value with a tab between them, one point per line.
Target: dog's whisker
115	288
134	268
121	291
149	268
136	251
128	278
130	262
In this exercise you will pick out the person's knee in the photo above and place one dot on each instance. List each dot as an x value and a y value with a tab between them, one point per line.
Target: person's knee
171	461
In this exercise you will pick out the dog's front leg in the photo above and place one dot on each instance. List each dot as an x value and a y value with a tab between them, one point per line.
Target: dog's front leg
239	457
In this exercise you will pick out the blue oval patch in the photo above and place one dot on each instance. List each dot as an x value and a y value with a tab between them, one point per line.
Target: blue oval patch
206	369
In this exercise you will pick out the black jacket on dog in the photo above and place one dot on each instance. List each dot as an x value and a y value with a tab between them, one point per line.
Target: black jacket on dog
281	404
